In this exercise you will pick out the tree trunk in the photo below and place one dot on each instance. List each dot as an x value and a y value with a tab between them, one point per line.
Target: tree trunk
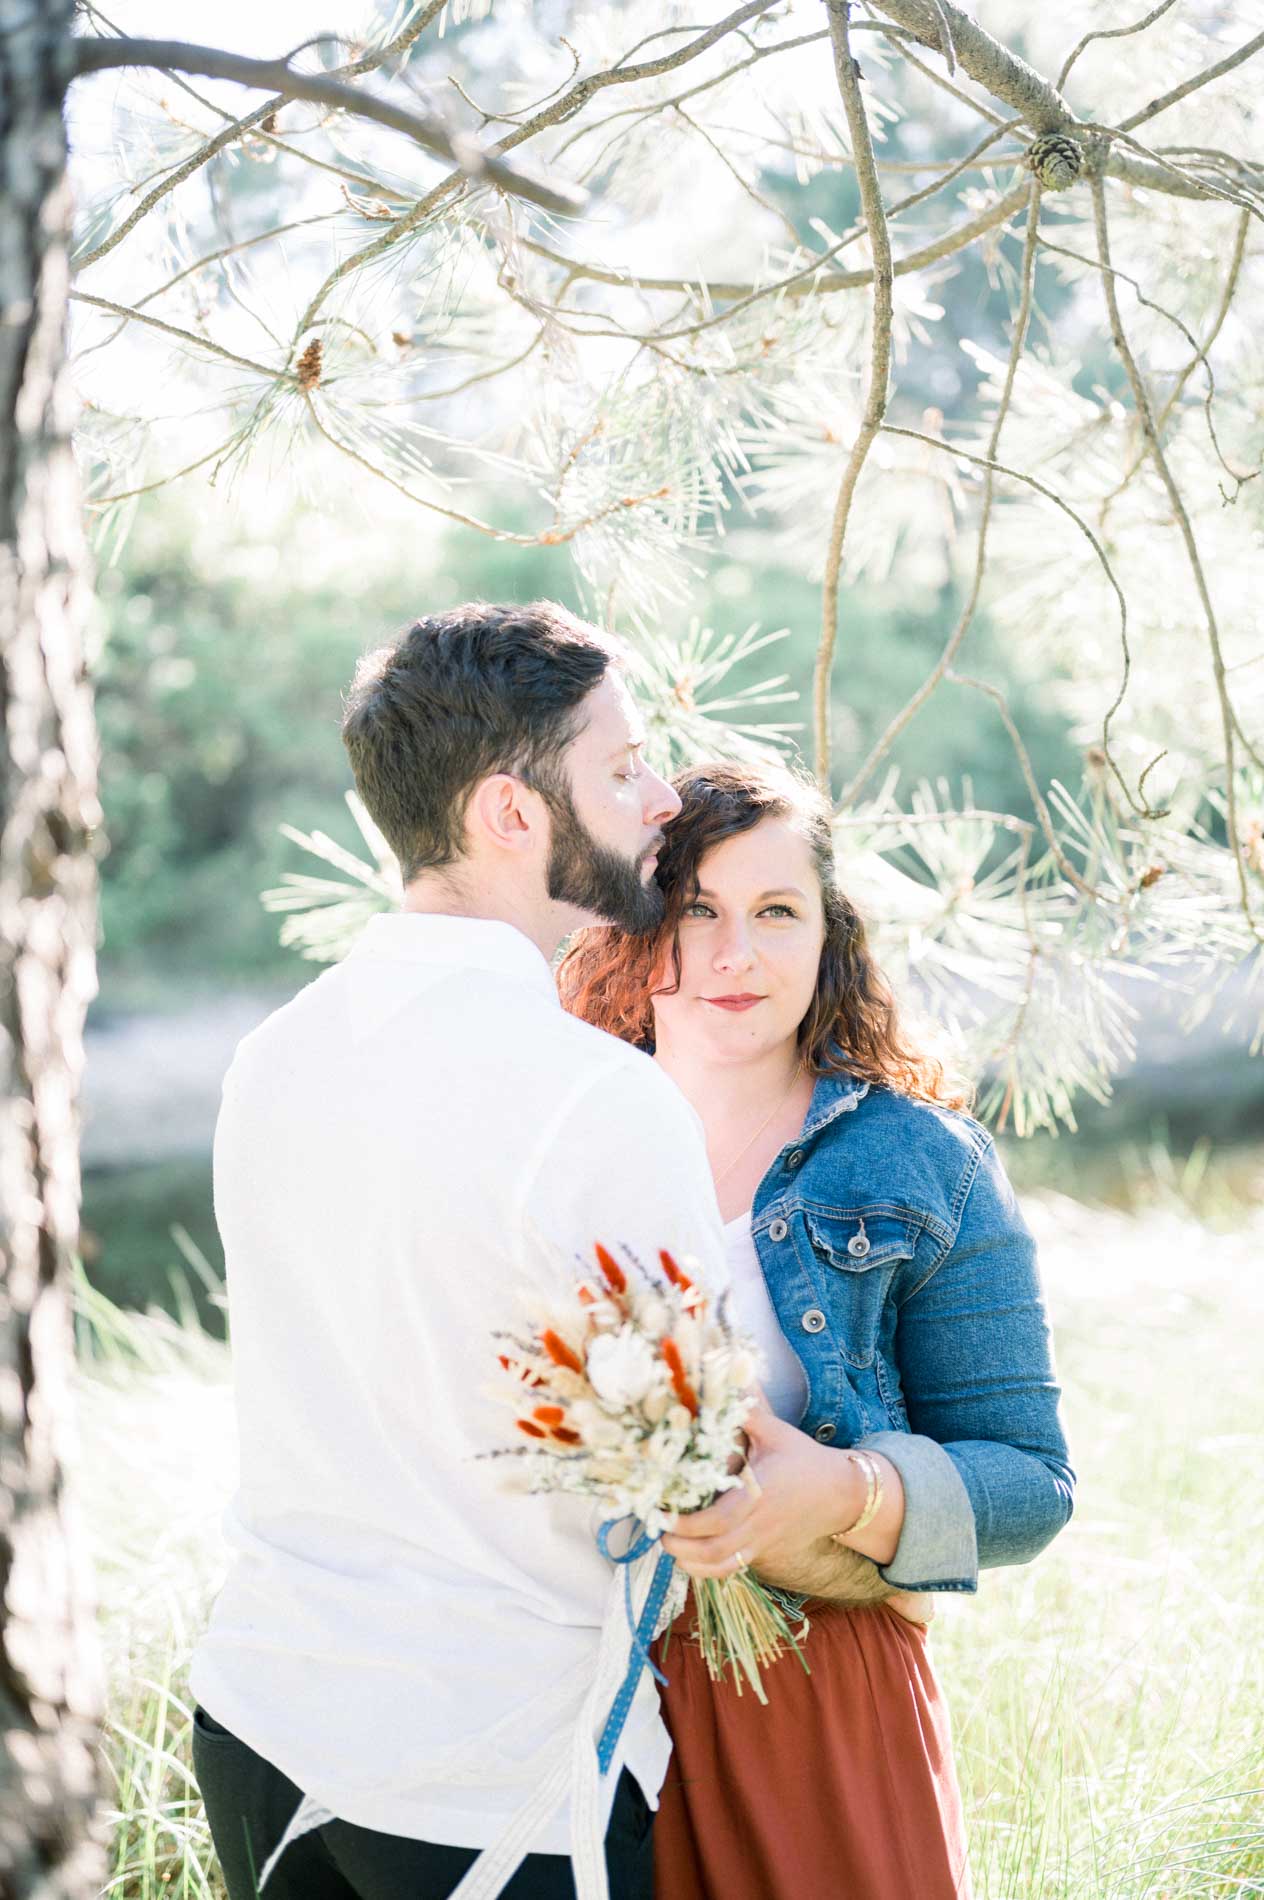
50	1690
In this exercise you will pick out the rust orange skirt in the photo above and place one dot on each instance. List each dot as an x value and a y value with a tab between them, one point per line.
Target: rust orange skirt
842	1788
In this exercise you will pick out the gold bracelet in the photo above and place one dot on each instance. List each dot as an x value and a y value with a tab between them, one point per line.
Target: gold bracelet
873	1496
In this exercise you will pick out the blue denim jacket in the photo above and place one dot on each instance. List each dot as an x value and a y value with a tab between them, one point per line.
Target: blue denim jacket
904	1276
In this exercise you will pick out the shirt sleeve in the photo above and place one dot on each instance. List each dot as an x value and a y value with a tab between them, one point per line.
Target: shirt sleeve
985	1468
623	1162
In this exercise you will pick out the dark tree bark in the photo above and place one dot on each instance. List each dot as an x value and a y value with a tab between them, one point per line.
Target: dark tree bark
50	1690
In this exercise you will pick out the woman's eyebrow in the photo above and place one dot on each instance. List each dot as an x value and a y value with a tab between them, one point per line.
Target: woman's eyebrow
784	890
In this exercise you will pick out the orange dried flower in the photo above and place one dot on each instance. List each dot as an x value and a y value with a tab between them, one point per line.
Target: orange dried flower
559	1352
616	1278
512	1365
549	1414
673	1272
566	1435
532	1431
680	1384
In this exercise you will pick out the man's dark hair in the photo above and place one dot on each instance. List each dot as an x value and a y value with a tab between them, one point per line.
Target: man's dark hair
483	688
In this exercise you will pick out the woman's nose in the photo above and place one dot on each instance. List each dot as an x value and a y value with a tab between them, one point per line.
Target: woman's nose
734	951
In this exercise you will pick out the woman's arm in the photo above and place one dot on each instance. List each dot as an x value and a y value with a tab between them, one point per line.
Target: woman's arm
981	1479
987	1457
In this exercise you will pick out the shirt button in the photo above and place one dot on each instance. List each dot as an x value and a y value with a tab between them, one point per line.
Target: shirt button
824	1432
777	1230
812	1320
796	1159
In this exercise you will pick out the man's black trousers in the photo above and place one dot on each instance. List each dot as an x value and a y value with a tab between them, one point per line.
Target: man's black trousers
249	1804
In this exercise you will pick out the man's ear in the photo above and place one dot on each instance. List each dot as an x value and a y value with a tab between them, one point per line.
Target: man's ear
504	813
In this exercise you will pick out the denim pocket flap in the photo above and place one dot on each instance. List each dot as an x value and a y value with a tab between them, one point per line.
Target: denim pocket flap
858	1241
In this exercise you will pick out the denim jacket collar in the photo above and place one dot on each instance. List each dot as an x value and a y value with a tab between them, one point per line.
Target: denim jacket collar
832	1097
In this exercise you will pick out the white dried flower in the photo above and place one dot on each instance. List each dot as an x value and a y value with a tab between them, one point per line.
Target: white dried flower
621	1367
657	1403
596	1427
652	1313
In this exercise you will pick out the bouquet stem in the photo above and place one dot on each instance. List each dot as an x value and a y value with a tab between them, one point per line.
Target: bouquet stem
741	1627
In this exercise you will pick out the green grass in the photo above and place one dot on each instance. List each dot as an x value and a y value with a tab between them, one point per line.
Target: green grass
1108	1700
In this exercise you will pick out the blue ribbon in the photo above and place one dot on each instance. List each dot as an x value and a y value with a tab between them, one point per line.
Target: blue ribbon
642	1632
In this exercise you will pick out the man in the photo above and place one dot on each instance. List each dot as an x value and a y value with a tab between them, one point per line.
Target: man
421	1132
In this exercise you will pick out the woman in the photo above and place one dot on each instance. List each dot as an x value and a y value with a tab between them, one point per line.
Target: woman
912	1430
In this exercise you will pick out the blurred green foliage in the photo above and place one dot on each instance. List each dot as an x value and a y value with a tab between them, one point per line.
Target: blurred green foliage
219	694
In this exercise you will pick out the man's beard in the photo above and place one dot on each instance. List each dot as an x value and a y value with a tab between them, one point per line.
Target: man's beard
592	877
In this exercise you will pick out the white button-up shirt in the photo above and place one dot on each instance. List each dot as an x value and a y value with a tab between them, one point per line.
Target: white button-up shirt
420	1132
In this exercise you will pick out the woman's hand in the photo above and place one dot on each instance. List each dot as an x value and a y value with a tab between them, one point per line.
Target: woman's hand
802	1492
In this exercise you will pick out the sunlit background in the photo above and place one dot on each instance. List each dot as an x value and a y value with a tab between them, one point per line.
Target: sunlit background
1107	1699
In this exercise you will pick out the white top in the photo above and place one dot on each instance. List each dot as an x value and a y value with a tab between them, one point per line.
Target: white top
784	1381
422	1129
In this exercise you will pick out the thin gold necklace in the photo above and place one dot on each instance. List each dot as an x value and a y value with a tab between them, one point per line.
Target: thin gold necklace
775	1109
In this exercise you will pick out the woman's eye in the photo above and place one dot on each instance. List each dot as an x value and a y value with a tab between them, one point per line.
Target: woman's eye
783	908
697	910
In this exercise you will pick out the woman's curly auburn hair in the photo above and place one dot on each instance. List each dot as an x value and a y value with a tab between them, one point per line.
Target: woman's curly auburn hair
609	976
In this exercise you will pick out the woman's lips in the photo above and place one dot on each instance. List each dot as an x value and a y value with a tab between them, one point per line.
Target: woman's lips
732	1002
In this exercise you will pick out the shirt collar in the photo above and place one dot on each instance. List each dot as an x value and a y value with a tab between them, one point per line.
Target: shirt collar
471	943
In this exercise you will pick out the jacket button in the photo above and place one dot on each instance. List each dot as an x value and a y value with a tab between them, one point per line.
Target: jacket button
796	1159
858	1246
777	1230
824	1432
812	1320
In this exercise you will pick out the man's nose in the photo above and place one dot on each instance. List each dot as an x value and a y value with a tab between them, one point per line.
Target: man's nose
661	802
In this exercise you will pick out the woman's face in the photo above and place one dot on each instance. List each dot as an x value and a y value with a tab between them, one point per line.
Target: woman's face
750	947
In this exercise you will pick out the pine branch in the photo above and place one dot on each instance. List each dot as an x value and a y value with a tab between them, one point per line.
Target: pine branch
966	616
848	76
1041	105
1194	83
900	37
572	101
1185	182
86	56
1111	33
986	60
367	63
1170	316
164	481
1034	792
692	92
191	337
1145	410
435	507
809	280
1144	810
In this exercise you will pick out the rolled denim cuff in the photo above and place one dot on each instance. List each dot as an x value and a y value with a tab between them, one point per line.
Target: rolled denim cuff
938	1549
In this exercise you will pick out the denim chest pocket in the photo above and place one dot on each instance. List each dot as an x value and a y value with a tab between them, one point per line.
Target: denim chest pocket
864	1248
859	1242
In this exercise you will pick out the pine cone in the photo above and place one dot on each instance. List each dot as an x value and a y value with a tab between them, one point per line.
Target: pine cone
309	365
1056	160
